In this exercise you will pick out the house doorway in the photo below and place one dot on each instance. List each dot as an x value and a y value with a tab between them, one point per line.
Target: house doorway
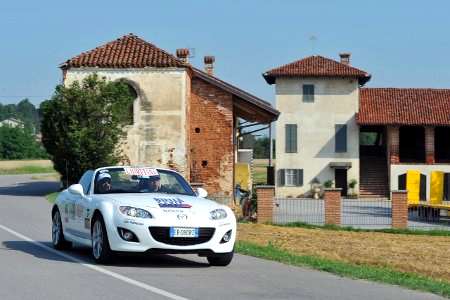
340	179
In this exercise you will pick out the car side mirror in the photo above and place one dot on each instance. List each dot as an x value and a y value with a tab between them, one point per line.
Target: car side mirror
76	189
201	192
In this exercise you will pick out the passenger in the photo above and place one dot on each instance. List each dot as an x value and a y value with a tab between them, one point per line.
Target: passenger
103	184
150	184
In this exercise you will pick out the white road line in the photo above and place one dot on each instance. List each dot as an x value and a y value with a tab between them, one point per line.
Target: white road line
96	268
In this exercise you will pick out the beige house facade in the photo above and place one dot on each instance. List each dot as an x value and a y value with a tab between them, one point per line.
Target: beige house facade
335	103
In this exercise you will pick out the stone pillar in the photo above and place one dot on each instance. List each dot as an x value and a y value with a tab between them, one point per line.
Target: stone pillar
332	199
399	209
265	195
394	144
429	145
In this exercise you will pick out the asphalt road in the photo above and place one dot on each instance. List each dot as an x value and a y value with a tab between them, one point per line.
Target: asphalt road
31	269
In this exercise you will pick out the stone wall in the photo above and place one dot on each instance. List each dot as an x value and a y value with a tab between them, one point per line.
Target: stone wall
158	134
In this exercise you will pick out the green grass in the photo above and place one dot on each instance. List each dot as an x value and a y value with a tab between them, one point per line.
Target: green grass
378	274
52	197
433	232
27	170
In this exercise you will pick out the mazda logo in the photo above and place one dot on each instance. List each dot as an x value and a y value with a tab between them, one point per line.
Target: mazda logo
182	217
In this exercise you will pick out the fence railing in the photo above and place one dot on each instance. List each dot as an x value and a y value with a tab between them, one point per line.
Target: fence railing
306	210
364	213
367	213
427	218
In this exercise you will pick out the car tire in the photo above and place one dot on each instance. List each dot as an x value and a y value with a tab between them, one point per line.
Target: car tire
58	240
101	251
222	259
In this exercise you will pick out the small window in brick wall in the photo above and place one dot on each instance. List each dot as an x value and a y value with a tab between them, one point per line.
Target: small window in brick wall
204	163
290	177
197	130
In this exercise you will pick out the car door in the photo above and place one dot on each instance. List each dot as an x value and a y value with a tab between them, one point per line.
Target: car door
81	223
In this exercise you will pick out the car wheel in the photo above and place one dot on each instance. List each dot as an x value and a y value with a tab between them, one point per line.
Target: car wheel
100	245
58	240
223	259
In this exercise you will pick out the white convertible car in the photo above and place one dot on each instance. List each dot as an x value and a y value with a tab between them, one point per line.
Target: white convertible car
141	209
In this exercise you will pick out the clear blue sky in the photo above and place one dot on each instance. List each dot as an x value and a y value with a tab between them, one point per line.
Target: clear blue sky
401	43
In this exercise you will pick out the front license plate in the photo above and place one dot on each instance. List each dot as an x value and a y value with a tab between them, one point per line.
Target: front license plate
183	232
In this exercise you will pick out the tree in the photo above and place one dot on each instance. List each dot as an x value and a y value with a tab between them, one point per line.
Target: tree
19	143
82	125
24	111
261	149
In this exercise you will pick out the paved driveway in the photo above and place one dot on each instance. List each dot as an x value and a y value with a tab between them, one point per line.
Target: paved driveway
30	269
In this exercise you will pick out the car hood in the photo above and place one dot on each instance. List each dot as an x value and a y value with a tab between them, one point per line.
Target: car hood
162	201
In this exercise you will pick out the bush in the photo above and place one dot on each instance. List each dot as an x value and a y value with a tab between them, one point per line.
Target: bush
82	125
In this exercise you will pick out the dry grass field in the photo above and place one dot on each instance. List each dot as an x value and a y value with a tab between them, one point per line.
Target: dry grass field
420	254
16	164
10	167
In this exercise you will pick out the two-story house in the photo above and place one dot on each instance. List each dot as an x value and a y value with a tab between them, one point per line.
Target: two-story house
317	136
332	129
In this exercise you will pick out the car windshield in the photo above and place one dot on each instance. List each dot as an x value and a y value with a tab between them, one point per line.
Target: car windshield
140	180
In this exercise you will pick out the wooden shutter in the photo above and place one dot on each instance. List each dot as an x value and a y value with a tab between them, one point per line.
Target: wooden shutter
340	138
291	138
280	177
299	177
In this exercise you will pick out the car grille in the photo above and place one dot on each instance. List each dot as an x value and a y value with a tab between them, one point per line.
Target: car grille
161	234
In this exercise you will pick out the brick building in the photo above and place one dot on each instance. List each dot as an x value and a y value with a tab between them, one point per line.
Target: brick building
333	129
183	118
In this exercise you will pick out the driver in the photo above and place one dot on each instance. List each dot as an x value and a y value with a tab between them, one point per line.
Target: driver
104	183
150	184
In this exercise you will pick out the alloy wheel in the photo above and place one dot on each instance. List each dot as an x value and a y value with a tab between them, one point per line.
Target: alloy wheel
56	228
97	239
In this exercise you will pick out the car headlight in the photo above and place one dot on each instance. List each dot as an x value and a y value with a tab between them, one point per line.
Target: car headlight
135	212
218	214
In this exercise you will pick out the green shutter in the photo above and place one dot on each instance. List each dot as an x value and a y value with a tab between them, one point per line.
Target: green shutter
299	177
308	93
340	139
291	138
280	177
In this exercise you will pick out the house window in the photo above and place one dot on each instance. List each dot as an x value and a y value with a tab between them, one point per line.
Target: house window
290	177
340	138
291	138
308	93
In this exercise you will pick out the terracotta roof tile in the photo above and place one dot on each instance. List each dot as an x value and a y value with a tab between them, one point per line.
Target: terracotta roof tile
404	106
128	51
316	66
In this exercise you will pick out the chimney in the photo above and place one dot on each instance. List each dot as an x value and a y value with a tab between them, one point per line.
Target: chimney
183	54
345	58
209	64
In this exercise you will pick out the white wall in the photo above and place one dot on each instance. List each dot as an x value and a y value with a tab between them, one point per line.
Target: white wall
159	113
397	170
335	102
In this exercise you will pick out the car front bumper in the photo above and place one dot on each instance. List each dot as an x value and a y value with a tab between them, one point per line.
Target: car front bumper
149	243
